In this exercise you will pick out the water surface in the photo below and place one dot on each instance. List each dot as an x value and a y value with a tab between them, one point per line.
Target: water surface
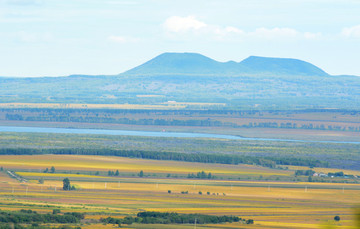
145	134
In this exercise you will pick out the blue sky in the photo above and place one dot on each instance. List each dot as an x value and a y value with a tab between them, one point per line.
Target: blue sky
63	37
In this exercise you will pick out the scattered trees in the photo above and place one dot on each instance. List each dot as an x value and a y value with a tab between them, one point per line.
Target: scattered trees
111	173
67	186
201	175
52	170
304	172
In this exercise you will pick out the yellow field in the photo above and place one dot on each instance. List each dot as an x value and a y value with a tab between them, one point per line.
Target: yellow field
45	175
270	204
104	163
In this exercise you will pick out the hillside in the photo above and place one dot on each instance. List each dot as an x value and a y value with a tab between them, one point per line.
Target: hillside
197	64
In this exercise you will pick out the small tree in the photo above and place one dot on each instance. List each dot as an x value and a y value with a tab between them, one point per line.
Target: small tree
66	184
46	170
56	211
41	181
250	221
169	191
141	174
337	218
1	169
117	173
52	169
200	192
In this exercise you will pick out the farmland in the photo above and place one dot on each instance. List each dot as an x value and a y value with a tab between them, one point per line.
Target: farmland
272	204
270	182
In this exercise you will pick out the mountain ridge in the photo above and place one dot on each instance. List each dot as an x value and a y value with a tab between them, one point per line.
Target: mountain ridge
197	64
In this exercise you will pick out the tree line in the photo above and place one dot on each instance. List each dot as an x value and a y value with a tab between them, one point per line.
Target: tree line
175	122
201	175
28	216
153	217
266	161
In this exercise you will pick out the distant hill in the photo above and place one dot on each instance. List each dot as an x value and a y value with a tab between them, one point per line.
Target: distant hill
197	64
261	82
281	66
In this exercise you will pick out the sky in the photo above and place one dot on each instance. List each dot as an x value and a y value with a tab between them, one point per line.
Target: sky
107	37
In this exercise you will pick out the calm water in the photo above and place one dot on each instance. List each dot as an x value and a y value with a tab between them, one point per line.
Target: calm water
144	134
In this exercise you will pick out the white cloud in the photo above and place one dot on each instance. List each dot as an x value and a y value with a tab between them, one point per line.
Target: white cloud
123	39
274	33
183	24
353	31
227	30
312	36
187	25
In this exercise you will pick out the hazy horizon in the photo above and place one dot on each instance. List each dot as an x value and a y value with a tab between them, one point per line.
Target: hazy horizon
59	38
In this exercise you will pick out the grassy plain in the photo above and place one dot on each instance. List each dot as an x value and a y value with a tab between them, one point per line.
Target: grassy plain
330	152
276	204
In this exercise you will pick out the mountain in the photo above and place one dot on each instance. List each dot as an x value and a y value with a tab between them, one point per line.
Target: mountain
281	66
273	83
180	63
197	64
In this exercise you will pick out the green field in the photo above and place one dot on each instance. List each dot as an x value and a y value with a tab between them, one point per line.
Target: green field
325	153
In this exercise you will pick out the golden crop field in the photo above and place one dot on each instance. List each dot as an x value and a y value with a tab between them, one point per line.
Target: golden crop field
272	204
104	163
